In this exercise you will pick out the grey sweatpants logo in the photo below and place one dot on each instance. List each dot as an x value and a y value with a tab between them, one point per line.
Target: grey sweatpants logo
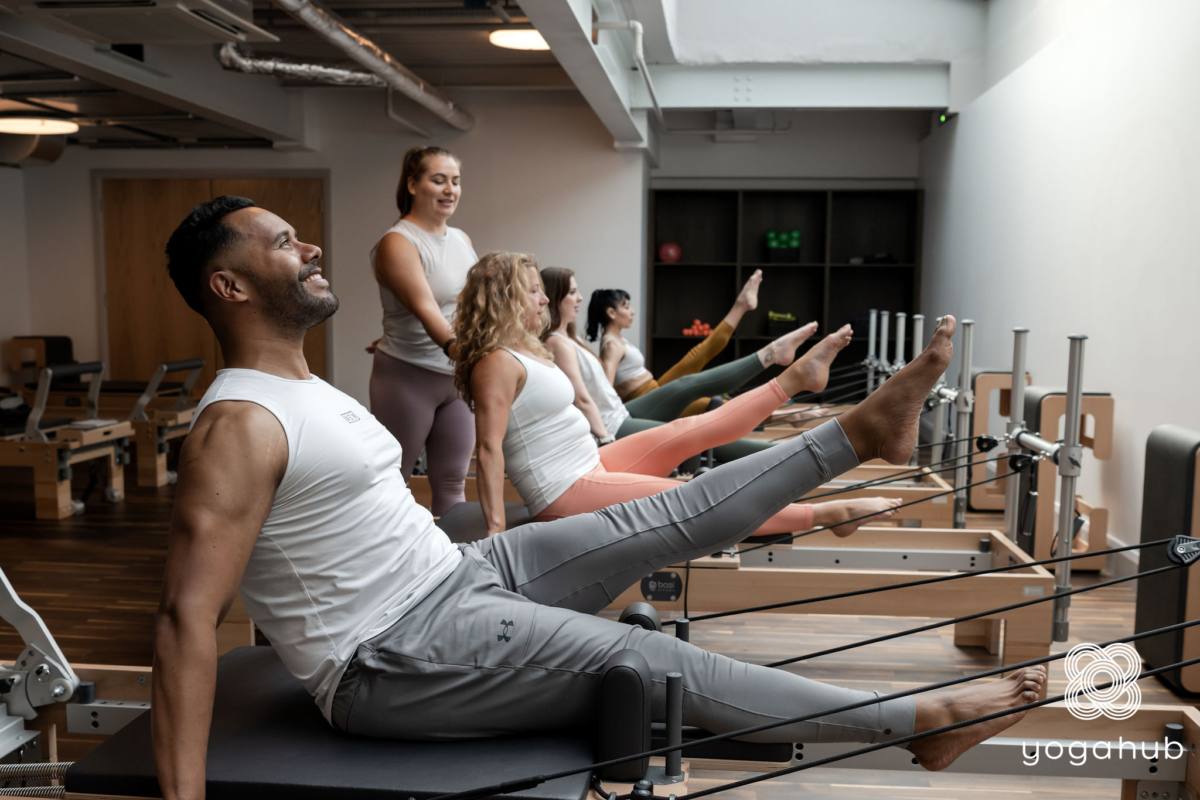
503	636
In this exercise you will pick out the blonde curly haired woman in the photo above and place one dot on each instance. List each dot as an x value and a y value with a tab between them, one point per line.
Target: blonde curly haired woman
526	421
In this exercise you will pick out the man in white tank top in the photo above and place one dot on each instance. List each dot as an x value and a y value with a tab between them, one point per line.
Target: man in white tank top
291	490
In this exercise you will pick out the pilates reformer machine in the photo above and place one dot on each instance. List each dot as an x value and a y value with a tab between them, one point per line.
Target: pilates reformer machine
156	427
268	740
52	448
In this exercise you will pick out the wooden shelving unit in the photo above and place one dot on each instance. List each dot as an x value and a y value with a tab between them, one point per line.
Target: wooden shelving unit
722	235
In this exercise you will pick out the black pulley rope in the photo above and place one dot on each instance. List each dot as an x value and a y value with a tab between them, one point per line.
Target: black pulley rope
535	780
922	582
969	617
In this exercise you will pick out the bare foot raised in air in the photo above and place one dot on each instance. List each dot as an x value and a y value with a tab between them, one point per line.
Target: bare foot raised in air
810	373
938	709
747	300
782	351
885	424
847	516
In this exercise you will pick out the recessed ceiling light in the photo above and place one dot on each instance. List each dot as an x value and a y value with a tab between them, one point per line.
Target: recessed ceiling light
37	125
518	39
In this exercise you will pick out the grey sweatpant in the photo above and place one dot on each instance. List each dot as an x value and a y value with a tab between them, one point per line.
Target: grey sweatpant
508	642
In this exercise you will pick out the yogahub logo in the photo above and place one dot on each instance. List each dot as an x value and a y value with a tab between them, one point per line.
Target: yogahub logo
1115	668
1089	666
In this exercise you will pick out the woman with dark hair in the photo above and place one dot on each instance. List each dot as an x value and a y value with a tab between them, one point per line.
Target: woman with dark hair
421	265
528	426
598	400
610	312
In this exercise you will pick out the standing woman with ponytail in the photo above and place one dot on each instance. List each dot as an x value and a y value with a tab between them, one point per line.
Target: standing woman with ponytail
421	265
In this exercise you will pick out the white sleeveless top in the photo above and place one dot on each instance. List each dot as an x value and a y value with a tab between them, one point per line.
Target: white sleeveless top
633	363
445	260
548	445
612	410
345	551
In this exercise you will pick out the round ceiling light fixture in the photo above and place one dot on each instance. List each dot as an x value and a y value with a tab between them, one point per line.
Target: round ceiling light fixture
45	126
518	39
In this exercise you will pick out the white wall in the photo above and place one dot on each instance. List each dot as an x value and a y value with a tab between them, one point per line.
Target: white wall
823	145
820	31
14	296
540	175
1065	199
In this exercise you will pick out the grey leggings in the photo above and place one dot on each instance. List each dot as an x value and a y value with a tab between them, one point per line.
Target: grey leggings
666	403
423	411
508	643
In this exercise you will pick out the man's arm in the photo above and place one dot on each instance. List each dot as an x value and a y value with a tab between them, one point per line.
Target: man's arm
229	467
495	383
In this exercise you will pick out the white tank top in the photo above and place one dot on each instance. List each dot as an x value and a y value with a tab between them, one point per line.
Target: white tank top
548	445
445	260
612	410
345	551
633	363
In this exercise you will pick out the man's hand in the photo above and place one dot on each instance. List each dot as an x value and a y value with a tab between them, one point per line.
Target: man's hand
229	468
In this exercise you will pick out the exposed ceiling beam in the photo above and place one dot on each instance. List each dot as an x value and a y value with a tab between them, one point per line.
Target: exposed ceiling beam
185	78
601	72
916	86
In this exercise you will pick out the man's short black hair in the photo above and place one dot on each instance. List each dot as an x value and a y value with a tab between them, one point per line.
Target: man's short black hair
197	241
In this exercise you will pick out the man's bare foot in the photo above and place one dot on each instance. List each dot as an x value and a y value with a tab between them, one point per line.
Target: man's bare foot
810	373
885	424
747	298
782	351
939	709
853	514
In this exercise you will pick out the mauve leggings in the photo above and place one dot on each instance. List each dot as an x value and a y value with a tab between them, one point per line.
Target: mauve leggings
422	410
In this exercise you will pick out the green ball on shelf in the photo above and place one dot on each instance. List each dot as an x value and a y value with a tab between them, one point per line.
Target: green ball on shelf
783	239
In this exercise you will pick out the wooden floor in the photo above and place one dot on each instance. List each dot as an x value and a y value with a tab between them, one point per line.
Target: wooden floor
95	580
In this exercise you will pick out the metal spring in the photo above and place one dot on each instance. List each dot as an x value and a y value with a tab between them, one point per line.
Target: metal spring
35	791
52	769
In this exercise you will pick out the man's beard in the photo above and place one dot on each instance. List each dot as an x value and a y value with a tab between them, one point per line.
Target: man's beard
290	306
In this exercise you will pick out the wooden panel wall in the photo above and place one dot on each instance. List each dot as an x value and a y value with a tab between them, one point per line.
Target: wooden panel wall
148	322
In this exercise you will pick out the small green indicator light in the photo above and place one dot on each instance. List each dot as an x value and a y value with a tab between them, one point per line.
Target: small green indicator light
943	117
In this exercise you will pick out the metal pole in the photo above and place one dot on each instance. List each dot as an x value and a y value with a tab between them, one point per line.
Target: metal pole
871	360
962	424
1016	422
884	316
918	335
674	759
1070	459
898	361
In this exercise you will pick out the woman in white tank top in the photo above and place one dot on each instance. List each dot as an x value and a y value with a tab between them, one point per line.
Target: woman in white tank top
527	422
610	313
421	264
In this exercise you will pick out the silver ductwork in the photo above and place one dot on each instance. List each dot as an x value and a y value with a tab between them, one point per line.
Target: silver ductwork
239	59
377	60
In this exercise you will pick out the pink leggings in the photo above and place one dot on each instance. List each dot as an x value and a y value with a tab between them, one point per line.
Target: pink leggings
638	465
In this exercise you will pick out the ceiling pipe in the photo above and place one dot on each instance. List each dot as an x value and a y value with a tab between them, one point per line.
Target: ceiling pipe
639	58
238	59
377	60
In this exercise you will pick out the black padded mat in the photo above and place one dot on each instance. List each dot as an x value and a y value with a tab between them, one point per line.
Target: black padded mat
270	741
464	523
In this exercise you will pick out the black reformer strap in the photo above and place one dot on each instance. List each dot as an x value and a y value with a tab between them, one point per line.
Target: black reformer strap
496	789
923	582
925	734
802	534
967	618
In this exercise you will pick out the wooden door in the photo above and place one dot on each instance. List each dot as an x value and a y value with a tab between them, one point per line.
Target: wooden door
299	202
148	322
